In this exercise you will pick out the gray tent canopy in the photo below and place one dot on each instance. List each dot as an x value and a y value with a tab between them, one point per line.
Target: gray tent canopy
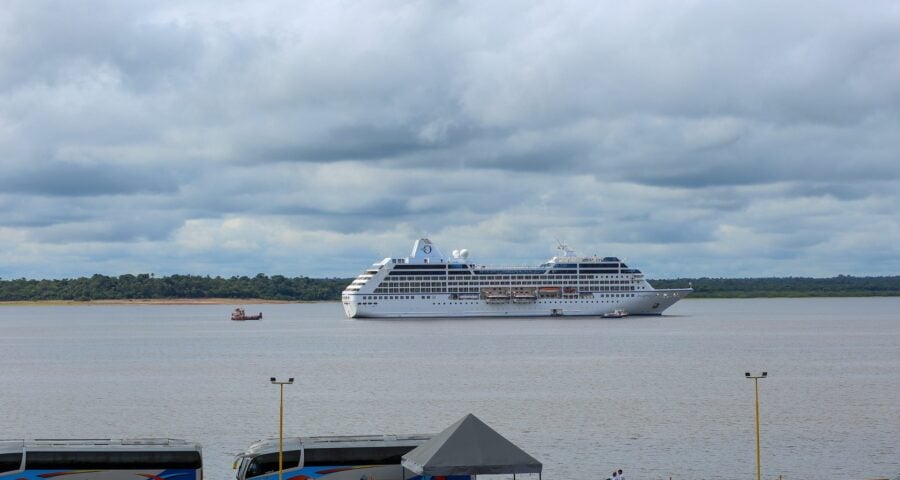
469	447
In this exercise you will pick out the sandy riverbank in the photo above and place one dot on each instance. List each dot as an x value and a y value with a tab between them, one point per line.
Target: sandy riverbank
155	301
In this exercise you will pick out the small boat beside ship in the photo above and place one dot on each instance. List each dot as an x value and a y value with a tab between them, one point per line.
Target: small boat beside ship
617	313
240	315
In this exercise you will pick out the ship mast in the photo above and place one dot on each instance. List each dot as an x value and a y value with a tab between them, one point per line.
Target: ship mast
564	248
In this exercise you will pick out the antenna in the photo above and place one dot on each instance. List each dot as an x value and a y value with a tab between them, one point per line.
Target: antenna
563	247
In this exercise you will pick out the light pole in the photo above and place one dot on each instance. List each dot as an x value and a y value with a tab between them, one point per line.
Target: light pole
756	390
281	423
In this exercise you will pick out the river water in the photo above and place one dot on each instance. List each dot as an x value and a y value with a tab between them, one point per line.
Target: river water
655	396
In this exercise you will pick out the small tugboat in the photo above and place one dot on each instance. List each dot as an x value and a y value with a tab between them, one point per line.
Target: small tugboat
617	313
239	314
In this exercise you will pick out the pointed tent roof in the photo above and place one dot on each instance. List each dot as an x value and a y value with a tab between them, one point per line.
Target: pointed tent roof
469	447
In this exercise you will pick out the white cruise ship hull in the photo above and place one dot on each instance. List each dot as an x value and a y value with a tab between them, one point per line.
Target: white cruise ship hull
440	306
427	284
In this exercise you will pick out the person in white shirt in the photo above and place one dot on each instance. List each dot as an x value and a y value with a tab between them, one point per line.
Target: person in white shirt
621	475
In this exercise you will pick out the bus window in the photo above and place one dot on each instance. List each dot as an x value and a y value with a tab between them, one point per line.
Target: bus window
10	462
240	467
268	463
370	455
101	458
112	460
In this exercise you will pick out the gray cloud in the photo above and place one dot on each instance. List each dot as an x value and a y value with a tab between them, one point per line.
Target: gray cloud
55	42
73	180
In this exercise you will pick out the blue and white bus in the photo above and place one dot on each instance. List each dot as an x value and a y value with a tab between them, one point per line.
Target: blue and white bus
96	459
364	457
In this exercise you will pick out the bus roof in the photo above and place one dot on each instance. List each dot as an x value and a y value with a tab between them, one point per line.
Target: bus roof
99	443
270	445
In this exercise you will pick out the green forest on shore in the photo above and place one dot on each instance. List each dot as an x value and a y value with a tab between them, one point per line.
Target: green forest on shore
277	287
839	286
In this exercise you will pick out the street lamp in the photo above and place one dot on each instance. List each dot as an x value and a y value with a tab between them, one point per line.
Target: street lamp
756	389
281	423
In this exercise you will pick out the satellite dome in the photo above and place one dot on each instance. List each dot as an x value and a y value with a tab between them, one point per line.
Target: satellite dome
456	254
464	253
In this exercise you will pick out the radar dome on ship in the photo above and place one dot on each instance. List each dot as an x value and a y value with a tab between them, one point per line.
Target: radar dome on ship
464	253
456	254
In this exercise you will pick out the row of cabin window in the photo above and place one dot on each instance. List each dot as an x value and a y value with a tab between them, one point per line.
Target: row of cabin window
473	266
407	276
392	284
553	271
383	290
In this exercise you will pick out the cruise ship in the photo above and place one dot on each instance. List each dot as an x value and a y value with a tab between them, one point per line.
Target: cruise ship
428	284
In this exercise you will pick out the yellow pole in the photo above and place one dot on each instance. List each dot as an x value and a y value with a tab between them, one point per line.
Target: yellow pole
281	423
281	434
756	389
756	395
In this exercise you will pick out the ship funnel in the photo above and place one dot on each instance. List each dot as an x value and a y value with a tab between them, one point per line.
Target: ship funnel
425	252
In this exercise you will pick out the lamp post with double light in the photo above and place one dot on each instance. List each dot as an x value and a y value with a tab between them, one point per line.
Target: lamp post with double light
756	390
281	423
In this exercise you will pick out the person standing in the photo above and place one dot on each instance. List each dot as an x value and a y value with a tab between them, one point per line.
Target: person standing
614	477
621	475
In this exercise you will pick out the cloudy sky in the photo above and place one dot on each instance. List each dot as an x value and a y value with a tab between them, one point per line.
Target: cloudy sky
720	138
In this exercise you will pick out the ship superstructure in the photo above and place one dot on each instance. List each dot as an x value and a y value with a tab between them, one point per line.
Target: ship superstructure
428	284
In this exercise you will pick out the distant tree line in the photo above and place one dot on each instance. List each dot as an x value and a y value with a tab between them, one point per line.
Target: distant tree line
840	286
277	287
148	286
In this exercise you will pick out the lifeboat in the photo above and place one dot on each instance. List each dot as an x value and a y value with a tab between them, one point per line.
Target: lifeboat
496	296
548	291
524	298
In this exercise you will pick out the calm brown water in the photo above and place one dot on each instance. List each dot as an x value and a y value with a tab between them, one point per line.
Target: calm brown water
657	397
